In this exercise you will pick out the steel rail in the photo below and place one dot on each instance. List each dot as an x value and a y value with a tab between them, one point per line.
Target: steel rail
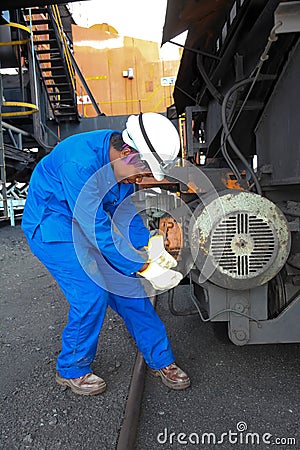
129	428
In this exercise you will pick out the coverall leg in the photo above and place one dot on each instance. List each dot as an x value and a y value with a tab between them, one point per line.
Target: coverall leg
88	303
146	328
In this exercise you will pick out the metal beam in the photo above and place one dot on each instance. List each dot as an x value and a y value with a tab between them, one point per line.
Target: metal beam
15	129
16	4
283	329
3	192
287	17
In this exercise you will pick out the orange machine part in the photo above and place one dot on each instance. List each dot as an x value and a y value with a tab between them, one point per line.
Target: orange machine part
173	233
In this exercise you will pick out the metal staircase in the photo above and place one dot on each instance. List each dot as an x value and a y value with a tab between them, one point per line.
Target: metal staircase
53	58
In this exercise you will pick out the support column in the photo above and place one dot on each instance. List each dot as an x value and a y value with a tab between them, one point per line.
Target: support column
3	192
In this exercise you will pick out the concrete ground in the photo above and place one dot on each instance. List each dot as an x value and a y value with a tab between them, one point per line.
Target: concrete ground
35	412
235	391
233	388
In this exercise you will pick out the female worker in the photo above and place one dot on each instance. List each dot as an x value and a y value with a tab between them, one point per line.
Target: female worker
79	221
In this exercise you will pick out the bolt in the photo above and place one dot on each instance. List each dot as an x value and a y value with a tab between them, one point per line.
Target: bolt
239	307
240	335
241	243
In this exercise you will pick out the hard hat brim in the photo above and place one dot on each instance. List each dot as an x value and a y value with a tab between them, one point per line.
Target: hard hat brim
140	145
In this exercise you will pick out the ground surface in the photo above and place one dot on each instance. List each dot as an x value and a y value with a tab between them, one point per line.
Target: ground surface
233	388
255	386
35	412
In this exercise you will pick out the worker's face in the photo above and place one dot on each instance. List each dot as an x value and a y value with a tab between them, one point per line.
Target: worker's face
128	168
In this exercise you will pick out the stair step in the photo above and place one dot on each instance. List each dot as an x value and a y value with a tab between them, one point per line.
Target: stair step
38	11
57	84
47	69
63	105
62	101
54	76
49	50
55	94
41	32
45	41
64	112
40	21
47	61
74	114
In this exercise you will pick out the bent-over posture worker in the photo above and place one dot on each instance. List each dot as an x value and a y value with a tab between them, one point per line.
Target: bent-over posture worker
80	222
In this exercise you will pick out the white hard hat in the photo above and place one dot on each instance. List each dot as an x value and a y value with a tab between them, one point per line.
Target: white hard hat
155	138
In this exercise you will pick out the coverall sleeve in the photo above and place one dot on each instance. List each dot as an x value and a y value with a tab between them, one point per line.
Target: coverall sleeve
84	193
130	223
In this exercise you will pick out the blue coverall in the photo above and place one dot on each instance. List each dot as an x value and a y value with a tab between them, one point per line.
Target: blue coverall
83	227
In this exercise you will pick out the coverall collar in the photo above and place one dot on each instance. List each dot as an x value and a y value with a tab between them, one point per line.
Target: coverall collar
111	179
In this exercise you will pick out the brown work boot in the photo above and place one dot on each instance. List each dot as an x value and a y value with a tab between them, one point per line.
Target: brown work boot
172	376
88	384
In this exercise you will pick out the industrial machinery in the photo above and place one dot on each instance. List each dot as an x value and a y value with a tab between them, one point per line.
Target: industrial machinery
235	230
230	206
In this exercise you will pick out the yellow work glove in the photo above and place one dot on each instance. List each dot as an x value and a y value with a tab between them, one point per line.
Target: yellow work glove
160	277
157	252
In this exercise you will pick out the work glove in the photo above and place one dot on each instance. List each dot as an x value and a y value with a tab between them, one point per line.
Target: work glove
158	254
160	277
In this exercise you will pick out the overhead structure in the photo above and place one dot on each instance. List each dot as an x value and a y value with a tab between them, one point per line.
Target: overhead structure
16	4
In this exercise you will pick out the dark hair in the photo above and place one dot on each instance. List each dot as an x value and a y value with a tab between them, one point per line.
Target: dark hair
117	141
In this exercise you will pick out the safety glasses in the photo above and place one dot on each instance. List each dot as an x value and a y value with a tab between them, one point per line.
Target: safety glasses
134	159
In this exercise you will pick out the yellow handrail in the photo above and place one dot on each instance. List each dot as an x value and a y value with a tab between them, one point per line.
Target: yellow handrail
17	25
32	109
20	42
24	41
66	49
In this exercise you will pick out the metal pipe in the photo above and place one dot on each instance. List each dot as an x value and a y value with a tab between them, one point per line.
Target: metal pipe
194	50
2	161
20	141
12	138
209	84
228	132
15	129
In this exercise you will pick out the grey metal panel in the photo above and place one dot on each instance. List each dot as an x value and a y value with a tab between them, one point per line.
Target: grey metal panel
284	328
7	52
278	131
288	14
213	121
219	299
88	124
